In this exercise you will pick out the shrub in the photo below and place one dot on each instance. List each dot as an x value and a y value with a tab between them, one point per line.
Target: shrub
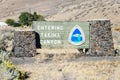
37	17
27	18
6	38
4	55
8	71
40	18
17	24
10	22
1	42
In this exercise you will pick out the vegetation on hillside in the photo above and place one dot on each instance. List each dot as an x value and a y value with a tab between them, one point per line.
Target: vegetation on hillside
10	22
25	18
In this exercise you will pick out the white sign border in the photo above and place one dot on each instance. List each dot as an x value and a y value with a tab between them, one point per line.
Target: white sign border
82	32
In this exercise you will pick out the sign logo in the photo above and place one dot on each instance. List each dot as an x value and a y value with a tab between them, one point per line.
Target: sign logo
76	36
59	34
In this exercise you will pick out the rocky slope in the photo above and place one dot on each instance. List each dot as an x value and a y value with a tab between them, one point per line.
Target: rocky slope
82	10
63	10
12	8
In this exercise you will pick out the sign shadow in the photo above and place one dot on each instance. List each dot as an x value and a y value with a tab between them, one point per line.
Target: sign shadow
37	38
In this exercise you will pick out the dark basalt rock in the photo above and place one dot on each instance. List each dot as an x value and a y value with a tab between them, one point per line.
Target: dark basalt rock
24	44
101	38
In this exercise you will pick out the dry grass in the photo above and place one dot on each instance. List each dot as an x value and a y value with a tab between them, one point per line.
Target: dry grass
116	37
91	70
79	10
61	10
117	29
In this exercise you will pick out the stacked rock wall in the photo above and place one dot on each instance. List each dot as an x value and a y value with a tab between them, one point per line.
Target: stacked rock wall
101	41
24	43
101	37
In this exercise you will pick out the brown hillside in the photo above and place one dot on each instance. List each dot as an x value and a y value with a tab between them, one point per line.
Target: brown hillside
61	10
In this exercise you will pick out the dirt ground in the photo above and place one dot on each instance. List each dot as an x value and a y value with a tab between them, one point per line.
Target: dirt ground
63	10
84	68
66	67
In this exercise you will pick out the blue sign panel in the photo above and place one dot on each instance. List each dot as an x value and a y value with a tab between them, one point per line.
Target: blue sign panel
77	36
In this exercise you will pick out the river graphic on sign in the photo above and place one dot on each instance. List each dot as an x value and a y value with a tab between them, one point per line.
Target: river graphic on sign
76	36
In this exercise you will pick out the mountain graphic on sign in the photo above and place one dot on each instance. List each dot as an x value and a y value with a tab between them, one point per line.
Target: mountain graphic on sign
76	36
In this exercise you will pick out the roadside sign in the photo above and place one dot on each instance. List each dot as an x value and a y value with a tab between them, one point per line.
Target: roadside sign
58	34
